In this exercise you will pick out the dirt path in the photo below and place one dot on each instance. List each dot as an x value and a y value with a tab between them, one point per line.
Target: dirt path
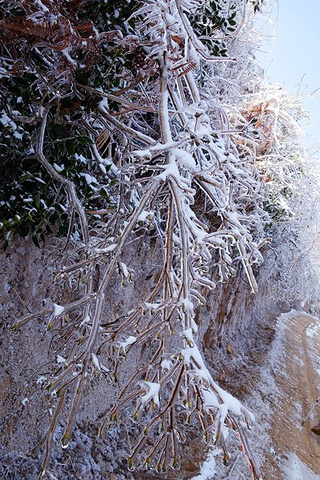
291	385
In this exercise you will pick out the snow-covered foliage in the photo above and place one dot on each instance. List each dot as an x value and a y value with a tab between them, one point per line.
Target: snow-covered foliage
152	118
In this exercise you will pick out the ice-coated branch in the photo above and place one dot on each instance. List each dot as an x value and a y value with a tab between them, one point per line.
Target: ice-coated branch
188	176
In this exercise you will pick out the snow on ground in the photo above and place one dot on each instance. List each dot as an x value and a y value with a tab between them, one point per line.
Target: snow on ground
288	387
295	469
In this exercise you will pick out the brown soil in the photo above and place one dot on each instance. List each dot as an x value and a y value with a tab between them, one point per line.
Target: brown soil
295	370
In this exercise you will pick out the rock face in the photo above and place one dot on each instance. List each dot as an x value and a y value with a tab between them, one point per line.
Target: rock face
251	353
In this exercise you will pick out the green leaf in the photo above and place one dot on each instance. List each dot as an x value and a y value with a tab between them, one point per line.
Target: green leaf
84	140
35	240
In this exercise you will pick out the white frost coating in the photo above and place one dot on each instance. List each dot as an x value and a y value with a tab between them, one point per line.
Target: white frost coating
295	469
130	341
58	309
171	169
104	368
313	329
188	305
192	355
198	233
145	215
166	364
124	270
165	116
146	154
153	306
95	361
89	178
102	168
108	249
41	379
6	121
152	393
87	319
188	334
42	7
50	475
185	159
58	168
208	468
209	399
65	52
80	157
60	359
17	135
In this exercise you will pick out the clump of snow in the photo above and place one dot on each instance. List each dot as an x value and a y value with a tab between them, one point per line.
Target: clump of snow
208	468
313	329
152	393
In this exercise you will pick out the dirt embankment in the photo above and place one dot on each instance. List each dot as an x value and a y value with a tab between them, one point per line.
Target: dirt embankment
289	387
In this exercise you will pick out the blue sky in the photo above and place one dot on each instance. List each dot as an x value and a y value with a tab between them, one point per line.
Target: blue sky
294	56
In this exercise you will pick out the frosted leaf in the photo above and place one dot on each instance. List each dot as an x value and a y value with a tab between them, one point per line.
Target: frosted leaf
89	179
102	168
108	249
145	215
41	379
130	341
95	361
58	168
60	359
87	319
58	309
104	368
152	393
145	154
7	122
124	270
153	306
81	158
166	364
